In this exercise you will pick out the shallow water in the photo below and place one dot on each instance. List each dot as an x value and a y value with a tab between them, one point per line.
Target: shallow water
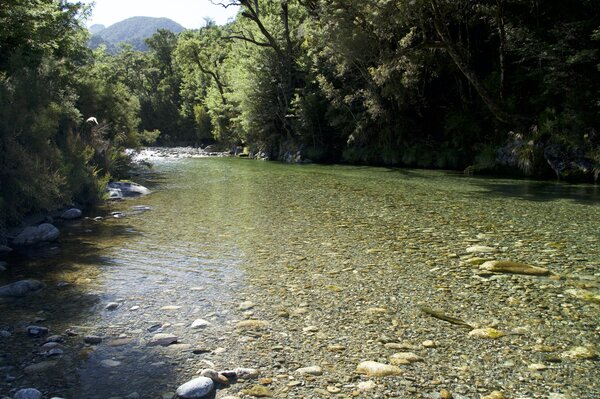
329	255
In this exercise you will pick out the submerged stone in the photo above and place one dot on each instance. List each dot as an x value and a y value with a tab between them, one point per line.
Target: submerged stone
162	339
376	369
196	388
35	234
486	333
504	266
21	288
28	393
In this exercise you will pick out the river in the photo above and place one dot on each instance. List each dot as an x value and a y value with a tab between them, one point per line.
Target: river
334	264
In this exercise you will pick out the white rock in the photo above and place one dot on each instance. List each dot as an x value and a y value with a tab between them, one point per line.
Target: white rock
246	305
404	358
162	339
481	249
311	370
196	388
246	373
28	393
375	369
366	385
579	352
110	363
112	305
201	323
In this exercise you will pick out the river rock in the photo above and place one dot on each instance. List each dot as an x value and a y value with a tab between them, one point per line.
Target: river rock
494	395
579	352
310	370
196	388
215	376
112	305
28	393
258	391
201	323
246	305
40	367
252	325
162	339
245	373
92	339
481	249
404	358
72	213
21	288
504	266
375	369
35	234
365	386
486	333
37	331
110	363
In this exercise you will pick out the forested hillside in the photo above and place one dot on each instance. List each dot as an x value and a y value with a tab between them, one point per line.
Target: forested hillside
133	31
482	86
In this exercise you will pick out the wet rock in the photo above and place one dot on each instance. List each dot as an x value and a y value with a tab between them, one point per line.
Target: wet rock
54	338
200	323
486	333
215	376
404	358
196	388
481	249
162	339
246	305
128	189
584	295
40	367
502	266
366	386
54	352
110	363
429	344
92	339
72	213
537	367
375	369
258	391
494	395
21	288
579	353
37	331
5	334
28	393
445	394
35	234
112	306
310	370
252	325
170	307
245	373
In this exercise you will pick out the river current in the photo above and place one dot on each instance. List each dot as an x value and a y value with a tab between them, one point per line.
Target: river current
335	264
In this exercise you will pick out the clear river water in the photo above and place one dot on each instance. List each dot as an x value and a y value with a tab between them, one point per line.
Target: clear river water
295	266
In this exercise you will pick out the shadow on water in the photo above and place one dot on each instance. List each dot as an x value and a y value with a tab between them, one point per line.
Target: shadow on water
539	191
70	305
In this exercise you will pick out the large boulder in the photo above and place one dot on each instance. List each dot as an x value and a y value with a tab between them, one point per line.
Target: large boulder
35	234
21	288
72	213
128	189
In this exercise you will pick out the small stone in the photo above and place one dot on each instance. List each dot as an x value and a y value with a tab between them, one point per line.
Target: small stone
21	288
245	373
400	346
445	394
311	370
215	376
133	308
201	323
494	395
162	339
54	352
429	344
537	367
112	305
110	363
258	391
404	358
579	353
333	389
310	329
336	348
246	305
500	266
486	333
72	213
28	393
196	388
481	249
170	307
55	338
92	339
365	386
40	367
375	369
37	331
265	381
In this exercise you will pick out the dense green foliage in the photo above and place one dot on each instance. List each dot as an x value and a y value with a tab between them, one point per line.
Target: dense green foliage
50	83
133	31
489	85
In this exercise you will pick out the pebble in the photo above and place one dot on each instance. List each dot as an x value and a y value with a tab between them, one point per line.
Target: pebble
481	249
200	323
486	333
245	373
537	367
376	369
494	395
445	394
258	391
501	266
246	305
579	352
37	331
252	325
92	339
110	363
365	386
162	339
196	388
28	393
404	358
310	370
429	344
112	306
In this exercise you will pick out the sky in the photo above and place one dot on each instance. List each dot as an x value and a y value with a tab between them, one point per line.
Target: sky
189	13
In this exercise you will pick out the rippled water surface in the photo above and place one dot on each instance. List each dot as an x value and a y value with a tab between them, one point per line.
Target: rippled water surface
337	261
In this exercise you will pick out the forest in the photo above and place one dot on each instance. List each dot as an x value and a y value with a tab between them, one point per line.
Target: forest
481	86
